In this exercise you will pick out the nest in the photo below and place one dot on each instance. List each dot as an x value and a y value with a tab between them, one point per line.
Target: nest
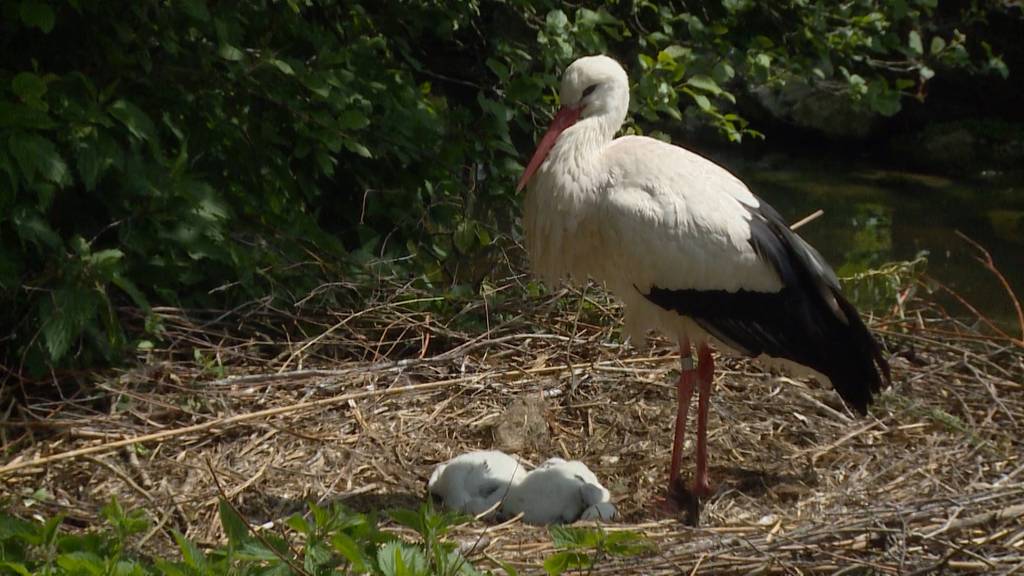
931	480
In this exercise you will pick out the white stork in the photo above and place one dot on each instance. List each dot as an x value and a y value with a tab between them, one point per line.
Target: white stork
689	250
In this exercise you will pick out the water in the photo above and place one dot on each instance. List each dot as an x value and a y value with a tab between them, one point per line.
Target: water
875	215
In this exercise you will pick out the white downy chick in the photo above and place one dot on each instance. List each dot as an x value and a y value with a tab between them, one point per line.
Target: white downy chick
559	491
474	482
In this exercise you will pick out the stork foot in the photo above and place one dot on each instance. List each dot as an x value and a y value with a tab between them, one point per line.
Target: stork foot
702	489
679	503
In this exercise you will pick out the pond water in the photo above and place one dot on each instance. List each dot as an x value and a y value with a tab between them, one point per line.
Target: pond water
876	215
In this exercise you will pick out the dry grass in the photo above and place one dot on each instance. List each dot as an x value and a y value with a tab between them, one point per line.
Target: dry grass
933	479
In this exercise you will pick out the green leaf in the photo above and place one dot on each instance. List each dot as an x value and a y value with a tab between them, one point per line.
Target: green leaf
31	227
299	524
50	529
283	66
94	156
705	83
352	119
171	569
997	64
15	528
509	569
190	553
196	9
104	258
17	115
626	543
234	526
735	6
129	568
229	52
112	511
499	68
401	559
124	522
64	317
465	237
586	18
887	103
37	14
89	166
938	44
16	567
28	86
914	42
408	518
358	148
81	562
37	155
133	118
559	562
556	21
723	72
254	550
566	536
316	558
454	563
350	550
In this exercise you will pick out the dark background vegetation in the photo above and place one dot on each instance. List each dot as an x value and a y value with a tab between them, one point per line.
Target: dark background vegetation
201	154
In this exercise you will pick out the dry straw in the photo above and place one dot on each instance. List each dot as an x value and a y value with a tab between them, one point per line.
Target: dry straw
288	406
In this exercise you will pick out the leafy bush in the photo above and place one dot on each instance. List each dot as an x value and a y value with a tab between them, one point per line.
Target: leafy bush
200	154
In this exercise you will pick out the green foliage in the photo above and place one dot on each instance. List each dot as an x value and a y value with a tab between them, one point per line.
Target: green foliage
331	540
881	286
328	541
201	154
582	548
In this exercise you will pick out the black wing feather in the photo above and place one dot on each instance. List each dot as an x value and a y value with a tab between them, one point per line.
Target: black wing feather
808	321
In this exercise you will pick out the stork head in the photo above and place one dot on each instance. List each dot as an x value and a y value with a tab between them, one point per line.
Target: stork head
597	87
593	88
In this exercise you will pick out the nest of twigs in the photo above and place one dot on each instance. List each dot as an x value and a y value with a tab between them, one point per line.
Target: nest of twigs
285	407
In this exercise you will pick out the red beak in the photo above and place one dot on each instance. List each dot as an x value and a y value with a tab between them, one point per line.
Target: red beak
567	116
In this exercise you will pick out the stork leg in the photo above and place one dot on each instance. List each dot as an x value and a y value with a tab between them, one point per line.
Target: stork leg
684	392
705	377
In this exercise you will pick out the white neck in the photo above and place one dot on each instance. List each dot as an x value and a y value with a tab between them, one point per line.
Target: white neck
578	150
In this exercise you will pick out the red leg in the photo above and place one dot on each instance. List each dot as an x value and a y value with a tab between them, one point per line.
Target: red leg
705	377
684	392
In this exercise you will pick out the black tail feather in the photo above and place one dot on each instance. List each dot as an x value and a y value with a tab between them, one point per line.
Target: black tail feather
808	321
791	325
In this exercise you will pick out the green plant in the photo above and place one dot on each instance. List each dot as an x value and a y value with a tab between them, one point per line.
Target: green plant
583	548
878	288
328	540
40	547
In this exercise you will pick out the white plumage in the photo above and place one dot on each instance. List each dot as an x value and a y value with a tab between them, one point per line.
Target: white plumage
638	212
475	482
689	250
559	491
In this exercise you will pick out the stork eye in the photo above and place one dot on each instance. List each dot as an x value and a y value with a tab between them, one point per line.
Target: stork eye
589	90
